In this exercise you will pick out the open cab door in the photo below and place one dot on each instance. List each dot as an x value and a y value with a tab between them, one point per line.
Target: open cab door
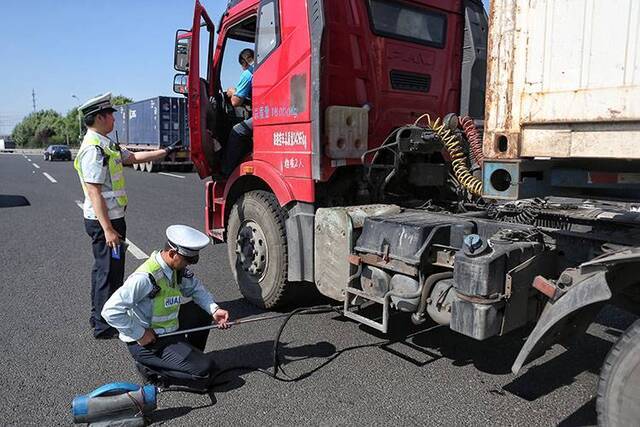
201	111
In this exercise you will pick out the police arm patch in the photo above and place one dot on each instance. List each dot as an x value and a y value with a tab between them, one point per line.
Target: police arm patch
156	287
105	159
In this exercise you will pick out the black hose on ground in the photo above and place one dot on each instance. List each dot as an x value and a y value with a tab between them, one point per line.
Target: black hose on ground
277	365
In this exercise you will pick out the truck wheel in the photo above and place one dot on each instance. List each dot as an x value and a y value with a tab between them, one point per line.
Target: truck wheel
257	248
618	401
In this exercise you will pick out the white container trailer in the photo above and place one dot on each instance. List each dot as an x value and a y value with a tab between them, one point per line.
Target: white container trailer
563	79
562	118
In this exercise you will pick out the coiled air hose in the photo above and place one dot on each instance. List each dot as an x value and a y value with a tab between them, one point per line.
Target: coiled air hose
456	153
475	142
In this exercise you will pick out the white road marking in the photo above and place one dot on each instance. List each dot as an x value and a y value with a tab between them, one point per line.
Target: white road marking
170	174
35	166
135	251
49	177
28	159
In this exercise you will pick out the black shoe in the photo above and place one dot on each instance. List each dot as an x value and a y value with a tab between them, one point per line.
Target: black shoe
107	334
166	382
150	376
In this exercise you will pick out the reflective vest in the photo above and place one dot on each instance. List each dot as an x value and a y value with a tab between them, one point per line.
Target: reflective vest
166	302
115	170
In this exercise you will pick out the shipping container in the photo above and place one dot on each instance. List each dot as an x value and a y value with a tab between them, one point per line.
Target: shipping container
184	121
120	132
151	124
155	122
563	79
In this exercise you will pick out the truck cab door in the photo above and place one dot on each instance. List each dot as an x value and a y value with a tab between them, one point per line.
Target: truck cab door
202	112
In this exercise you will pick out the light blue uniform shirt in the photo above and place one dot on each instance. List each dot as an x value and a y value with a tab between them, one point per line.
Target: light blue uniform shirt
243	88
129	309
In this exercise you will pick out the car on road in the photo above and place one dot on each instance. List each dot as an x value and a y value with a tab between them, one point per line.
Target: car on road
7	145
57	152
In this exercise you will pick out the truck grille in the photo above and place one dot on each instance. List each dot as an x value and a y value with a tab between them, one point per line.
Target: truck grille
403	80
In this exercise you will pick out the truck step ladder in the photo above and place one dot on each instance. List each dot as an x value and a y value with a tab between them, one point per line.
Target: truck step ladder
357	293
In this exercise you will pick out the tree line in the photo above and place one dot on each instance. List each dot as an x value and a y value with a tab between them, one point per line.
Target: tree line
45	127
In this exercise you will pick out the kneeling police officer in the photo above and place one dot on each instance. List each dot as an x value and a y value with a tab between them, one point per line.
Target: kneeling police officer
149	304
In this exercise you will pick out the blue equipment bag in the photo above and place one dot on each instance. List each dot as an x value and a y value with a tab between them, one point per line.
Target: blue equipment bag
115	404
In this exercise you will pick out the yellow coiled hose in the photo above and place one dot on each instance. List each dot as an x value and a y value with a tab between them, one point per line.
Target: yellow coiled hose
458	158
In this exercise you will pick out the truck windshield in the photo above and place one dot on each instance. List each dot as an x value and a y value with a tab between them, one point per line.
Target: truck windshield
397	20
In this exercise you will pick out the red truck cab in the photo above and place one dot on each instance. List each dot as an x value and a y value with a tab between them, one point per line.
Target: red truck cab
332	79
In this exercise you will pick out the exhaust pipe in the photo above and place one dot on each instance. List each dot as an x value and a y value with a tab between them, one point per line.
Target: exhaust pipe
418	318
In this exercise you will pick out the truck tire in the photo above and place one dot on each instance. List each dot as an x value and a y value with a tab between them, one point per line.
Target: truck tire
618	401
257	249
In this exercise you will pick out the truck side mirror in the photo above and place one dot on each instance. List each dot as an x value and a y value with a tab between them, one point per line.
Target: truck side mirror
182	48
180	84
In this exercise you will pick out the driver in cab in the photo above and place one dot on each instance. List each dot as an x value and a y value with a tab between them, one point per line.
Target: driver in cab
240	142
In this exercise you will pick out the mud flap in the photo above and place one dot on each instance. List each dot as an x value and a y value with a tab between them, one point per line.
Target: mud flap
571	313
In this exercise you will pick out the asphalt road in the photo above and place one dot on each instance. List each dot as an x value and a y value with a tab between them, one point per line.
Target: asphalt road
346	374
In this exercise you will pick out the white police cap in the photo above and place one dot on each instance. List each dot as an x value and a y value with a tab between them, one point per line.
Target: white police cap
101	103
186	240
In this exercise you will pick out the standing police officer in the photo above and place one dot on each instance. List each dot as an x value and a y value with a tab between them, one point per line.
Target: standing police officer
149	303
99	164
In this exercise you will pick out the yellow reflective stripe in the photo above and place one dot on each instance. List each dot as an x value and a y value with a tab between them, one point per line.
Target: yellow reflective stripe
158	273
117	176
161	319
160	331
165	326
118	193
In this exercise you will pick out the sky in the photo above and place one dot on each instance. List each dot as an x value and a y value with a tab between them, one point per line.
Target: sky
88	47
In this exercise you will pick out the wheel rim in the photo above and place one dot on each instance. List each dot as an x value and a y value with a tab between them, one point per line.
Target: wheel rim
251	250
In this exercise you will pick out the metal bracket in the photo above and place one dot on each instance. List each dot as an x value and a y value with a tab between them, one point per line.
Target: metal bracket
382	327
